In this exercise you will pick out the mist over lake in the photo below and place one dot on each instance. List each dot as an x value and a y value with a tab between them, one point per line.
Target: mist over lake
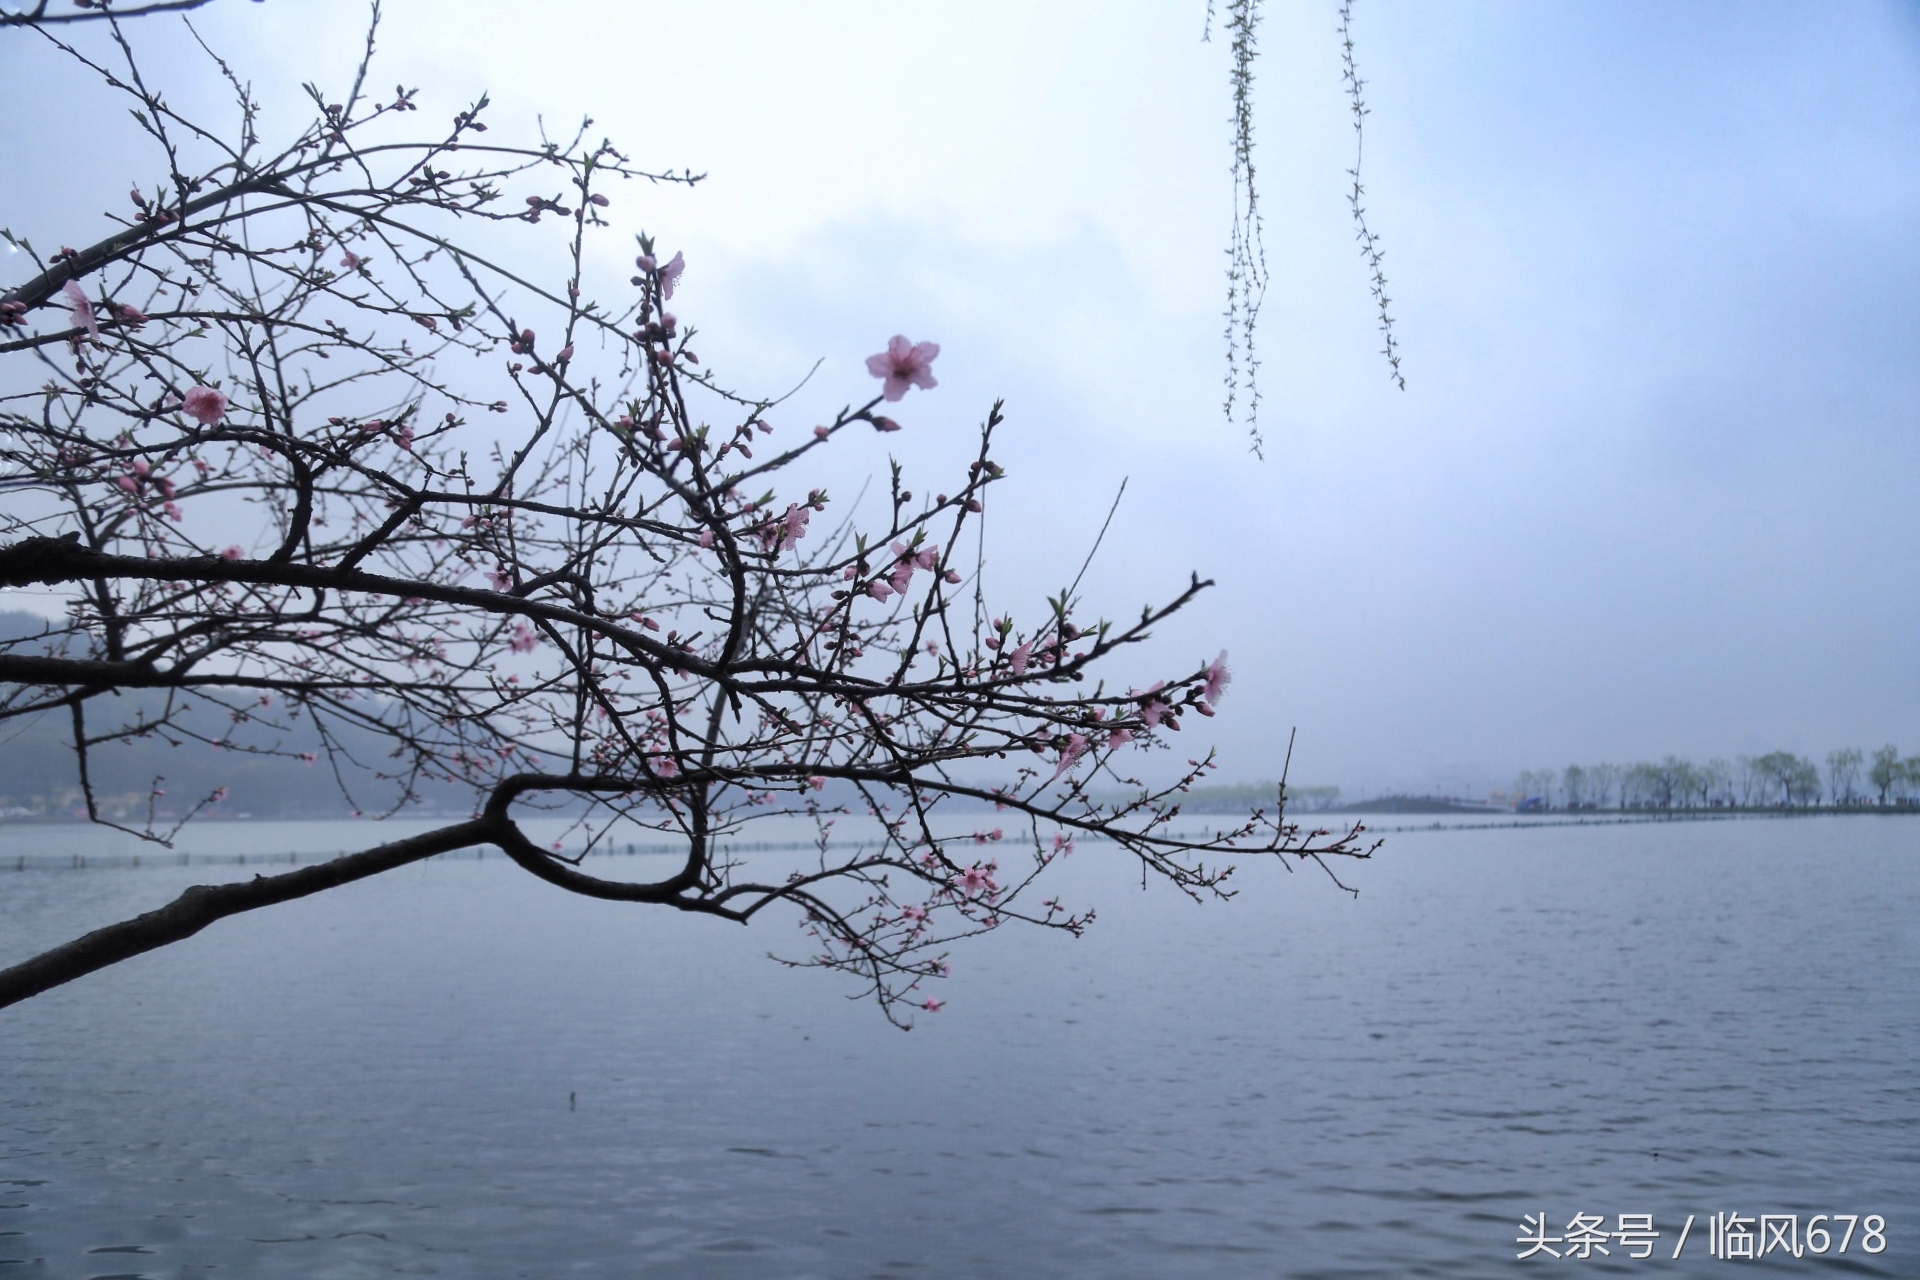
1664	1018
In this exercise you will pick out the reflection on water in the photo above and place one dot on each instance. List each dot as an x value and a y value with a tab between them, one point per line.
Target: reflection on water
1670	1020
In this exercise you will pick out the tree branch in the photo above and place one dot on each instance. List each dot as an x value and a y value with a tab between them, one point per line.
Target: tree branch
202	904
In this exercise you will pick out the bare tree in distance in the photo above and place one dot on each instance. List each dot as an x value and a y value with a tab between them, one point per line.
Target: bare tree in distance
326	478
1887	773
1716	780
1606	781
1843	774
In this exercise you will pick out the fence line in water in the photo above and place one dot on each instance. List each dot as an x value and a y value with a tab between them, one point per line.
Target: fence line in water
82	861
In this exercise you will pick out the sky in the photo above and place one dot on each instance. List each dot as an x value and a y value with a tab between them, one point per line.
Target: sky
1650	488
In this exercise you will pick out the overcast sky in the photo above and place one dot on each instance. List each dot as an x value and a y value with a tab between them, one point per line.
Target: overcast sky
1651	486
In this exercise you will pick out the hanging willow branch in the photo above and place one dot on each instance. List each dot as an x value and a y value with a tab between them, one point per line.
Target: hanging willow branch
1369	242
1246	255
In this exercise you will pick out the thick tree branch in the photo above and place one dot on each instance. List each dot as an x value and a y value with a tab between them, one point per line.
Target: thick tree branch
201	905
39	17
53	561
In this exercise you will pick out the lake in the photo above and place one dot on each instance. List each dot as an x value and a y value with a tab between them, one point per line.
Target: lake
456	1070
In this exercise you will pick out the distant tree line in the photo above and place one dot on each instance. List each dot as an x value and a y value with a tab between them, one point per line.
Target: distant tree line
1779	779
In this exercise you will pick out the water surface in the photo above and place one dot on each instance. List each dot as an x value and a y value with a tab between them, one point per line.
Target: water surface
1671	1019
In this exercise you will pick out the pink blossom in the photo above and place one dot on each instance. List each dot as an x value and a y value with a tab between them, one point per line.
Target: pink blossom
1120	737
785	530
915	914
901	575
231	553
218	795
878	589
1062	844
1019	658
352	261
501	578
796	522
706	537
128	483
934	1006
132	317
564	354
1218	678
670	275
1071	753
820	433
83	317
904	364
524	639
204	404
973	880
817	782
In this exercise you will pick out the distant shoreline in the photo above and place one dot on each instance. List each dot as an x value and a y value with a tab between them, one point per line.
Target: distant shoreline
1446	805
1407	806
1499	820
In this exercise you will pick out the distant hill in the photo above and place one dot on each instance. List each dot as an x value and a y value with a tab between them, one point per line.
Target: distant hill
1417	804
260	770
